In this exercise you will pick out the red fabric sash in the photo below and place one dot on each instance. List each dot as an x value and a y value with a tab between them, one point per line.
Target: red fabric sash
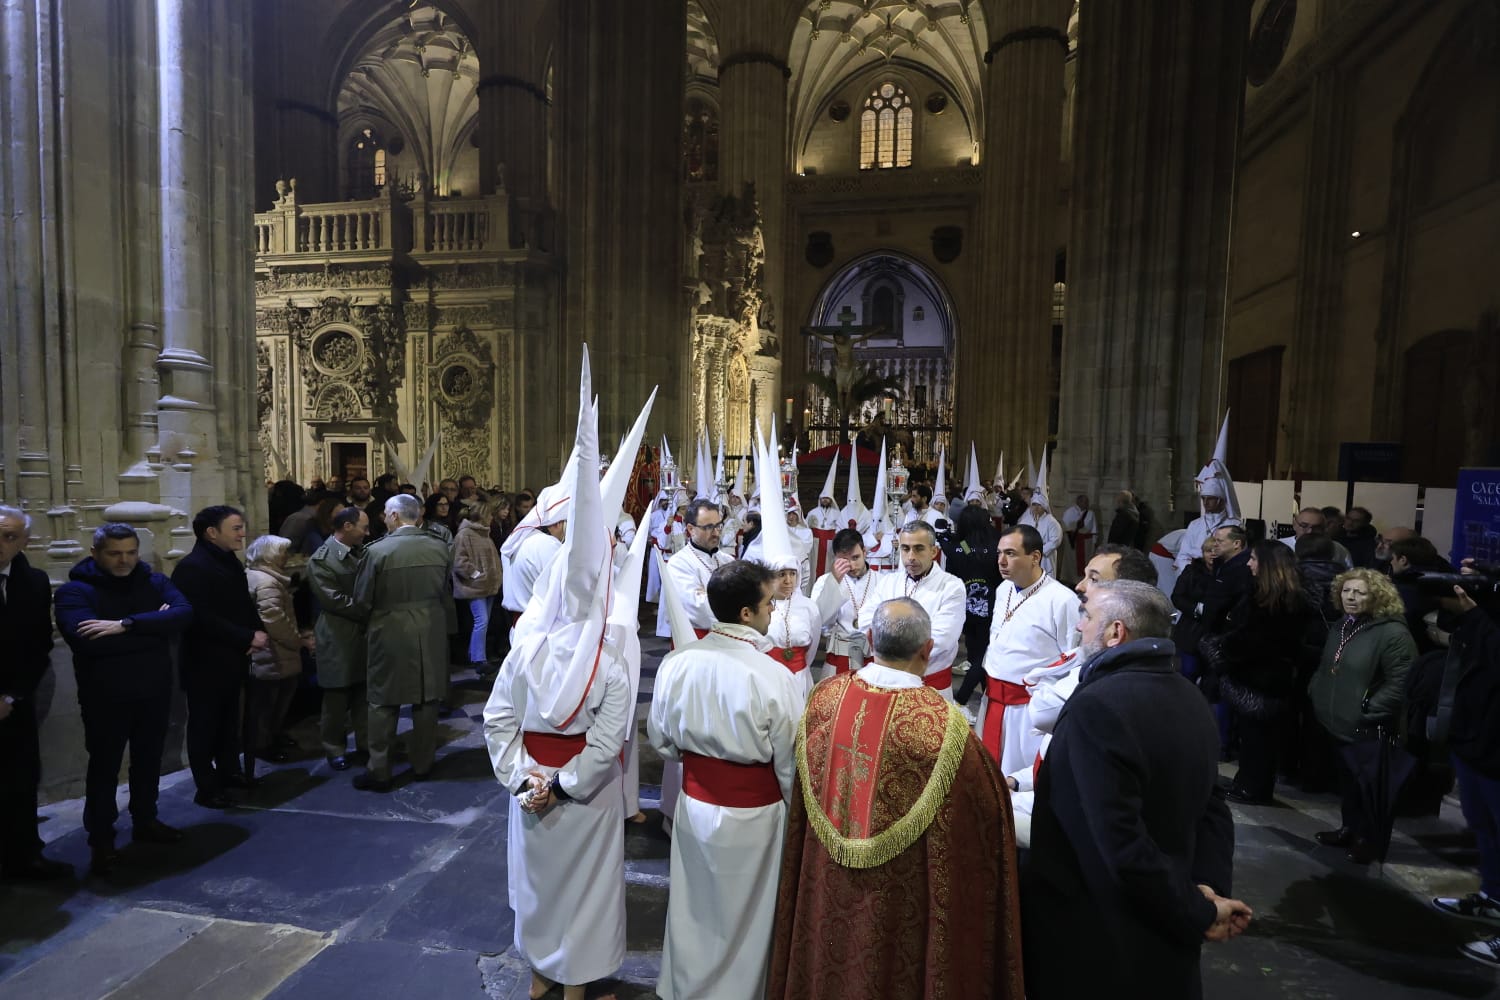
796	663
824	545
1080	550
942	680
1000	694
1036	767
726	783
838	661
553	749
697	633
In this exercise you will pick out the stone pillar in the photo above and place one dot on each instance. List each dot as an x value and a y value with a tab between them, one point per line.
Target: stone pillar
514	40
753	75
1320	282
34	293
619	93
1004	358
1159	107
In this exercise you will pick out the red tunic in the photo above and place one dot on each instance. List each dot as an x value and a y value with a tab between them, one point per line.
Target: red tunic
933	912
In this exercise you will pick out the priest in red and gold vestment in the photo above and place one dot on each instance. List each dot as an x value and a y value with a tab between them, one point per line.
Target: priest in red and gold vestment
898	879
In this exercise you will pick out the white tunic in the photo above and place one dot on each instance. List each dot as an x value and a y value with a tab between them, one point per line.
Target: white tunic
1050	689
566	866
839	603
796	624
690	567
826	519
658	540
723	697
942	595
1052	536
1190	546
532	559
1042	627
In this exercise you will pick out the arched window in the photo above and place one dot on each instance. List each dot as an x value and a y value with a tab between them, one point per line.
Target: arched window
366	164
885	129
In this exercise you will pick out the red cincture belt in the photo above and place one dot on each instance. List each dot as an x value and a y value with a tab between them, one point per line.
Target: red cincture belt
942	680
838	661
794	658
725	783
553	749
1000	694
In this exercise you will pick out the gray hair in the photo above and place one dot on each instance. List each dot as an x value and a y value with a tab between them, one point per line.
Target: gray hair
18	514
405	507
1141	608
901	627
115	530
917	525
267	550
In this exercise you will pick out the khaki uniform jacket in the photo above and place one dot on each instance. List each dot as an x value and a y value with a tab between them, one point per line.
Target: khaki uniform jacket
340	628
402	585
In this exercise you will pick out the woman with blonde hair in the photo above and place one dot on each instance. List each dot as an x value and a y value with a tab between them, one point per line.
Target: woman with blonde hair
476	572
1359	690
273	670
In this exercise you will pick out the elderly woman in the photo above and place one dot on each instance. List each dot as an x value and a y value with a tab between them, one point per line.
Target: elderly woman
476	573
273	670
1360	689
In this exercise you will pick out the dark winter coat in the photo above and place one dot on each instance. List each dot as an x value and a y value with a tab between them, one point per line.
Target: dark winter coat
1128	821
1366	687
137	663
1263	647
1317	576
1474	734
216	647
1188	596
1361	545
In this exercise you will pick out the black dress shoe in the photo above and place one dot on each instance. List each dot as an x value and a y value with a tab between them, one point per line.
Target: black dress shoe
339	763
155	832
1342	837
39	869
367	782
102	859
213	800
1235	794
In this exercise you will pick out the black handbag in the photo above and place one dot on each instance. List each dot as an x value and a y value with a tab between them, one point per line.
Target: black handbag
1249	702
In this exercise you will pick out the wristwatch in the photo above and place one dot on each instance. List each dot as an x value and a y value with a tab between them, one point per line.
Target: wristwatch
127	622
556	788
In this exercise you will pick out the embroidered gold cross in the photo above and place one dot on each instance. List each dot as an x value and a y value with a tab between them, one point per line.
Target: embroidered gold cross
860	772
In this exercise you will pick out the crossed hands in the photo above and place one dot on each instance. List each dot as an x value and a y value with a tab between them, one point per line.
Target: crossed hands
1231	918
540	798
98	628
259	643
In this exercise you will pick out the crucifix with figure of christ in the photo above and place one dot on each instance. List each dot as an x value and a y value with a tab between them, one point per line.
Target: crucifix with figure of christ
844	338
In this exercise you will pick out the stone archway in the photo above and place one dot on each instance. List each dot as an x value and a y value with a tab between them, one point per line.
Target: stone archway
916	349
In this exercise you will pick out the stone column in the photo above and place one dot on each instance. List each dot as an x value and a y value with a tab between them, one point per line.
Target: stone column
1159	107
514	40
1003	358
619	94
753	75
1320	281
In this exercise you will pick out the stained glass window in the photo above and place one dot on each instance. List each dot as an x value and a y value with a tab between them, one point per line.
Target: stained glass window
885	129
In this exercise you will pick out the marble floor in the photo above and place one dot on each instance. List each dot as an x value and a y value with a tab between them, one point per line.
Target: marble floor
311	889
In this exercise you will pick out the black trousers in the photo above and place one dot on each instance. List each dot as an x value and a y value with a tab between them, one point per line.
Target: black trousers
1353	815
213	732
20	773
1257	774
976	643
109	725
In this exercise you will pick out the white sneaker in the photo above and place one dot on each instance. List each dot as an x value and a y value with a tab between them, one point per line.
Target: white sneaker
1475	906
1485	952
971	715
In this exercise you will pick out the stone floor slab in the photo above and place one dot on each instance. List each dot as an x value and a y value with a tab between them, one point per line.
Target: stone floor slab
385	970
111	955
228	960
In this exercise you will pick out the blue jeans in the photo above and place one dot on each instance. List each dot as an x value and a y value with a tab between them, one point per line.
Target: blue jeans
479	608
1480	798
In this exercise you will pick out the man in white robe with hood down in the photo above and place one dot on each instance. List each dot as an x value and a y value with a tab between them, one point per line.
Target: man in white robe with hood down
729	713
554	726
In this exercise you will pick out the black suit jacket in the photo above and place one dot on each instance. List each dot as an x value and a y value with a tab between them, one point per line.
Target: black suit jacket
1128	820
215	648
25	630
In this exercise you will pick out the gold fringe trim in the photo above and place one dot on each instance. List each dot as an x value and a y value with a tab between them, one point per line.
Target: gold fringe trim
872	852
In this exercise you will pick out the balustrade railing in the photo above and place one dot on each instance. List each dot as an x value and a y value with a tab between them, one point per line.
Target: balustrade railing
383	225
341	227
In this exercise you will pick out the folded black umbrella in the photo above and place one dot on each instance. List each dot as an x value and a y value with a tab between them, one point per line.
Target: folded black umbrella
1380	768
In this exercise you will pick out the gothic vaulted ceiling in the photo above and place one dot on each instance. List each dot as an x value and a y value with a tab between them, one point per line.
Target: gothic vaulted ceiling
420	73
837	39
